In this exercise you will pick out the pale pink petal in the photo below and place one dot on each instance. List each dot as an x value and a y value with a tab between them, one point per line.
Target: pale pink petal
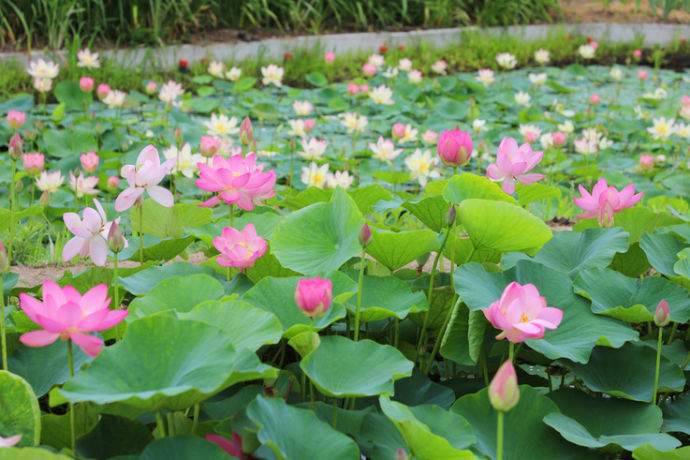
73	247
529	179
508	185
38	338
161	195
98	250
493	173
127	197
89	344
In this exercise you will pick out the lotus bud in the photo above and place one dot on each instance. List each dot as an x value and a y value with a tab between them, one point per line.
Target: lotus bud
309	125
254	146
504	393
151	87
455	147
398	131
102	90
116	240
15	119
313	296
86	84
662	315
209	145
595	98
113	182
365	236
15	147
4	263
246	131
400	454
450	216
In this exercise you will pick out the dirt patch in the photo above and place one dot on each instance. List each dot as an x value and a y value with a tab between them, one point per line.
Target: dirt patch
577	11
560	224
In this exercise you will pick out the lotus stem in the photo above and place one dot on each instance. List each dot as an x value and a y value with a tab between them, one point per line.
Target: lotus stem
2	325
116	299
13	204
439	336
511	352
70	363
499	436
195	422
673	333
141	233
658	361
359	296
335	413
159	424
232	215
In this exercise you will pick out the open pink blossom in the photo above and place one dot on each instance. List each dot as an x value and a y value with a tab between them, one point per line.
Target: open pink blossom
239	180
239	248
145	176
82	185
605	201
66	314
329	57
15	119
522	313
90	234
33	163
512	164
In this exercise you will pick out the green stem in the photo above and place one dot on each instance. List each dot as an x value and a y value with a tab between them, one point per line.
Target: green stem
232	215
70	362
397	332
2	326
116	299
159	424
359	296
439	336
511	351
335	413
196	418
658	361
171	424
141	233
303	389
13	204
673	333
499	436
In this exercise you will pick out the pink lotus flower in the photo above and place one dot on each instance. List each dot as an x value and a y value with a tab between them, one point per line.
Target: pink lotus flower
145	176
594	44
15	119
309	125
637	54
642	74
66	314
313	296
685	100
398	131
364	88
113	182
89	161
209	145
369	69
238	179
33	163
102	91
512	164
353	89
90	235
605	201
594	98
522	313
430	137
151	87
504	393
662	315
86	84
559	138
646	161
329	57
239	248
83	185
233	448
10	441
454	147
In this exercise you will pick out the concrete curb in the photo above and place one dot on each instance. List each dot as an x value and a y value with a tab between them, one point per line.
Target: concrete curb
168	56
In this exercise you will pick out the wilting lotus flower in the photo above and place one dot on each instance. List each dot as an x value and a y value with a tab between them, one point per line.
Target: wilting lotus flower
512	164
313	296
66	314
605	201
81	185
89	161
454	147
90	235
145	175
15	119
33	162
503	390
238	180
522	313
239	248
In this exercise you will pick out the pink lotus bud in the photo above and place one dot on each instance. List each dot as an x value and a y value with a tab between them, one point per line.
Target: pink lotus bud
364	88
531	137
353	89
15	119
209	145
450	216
646	161
430	137
642	74
4	263
504	393
595	98
30	135
400	454
86	84
113	182
89	161
116	240
594	44
15	147
246	131
309	125
313	296
454	147
102	90
151	87
369	69
365	236
662	315
33	163
559	138
685	100
398	131
637	54
329	57
178	136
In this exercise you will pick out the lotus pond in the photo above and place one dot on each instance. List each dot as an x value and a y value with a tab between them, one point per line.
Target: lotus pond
487	265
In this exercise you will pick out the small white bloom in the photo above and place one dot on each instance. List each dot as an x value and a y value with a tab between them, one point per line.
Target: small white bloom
384	150
439	67
567	127
541	56
233	74
479	125
523	98
430	137
296	128
662	128
390	72
340	179
616	73
658	94
585	146
216	68
586	51
485	77
382	95
88	59
376	60
186	161
43	70
170	91
415	76
409	136
537	79
313	148
43	85
405	65
354	122
506	60
421	166
682	130
114	99
267	153
314	175
530	132
546	140
273	75
302	108
221	126
49	181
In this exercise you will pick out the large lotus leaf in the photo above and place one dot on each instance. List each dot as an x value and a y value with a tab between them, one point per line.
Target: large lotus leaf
525	434
114	435
630	299
384	297
431	211
68	142
431	432
639	220
464	335
277	296
648	452
677	415
142	282
598	422
319	238
166	222
45	366
30	453
502	226
395	250
156	248
580	330
69	93
661	249
341	367
682	266
56	430
420	389
162	362
248	326
20	412
570	252
182	448
380	438
368	196
535	192
179	293
466	186
628	372
293	433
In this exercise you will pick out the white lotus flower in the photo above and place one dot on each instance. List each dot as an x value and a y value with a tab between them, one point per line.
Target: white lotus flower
221	126
314	175
273	75
421	166
382	95
506	60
